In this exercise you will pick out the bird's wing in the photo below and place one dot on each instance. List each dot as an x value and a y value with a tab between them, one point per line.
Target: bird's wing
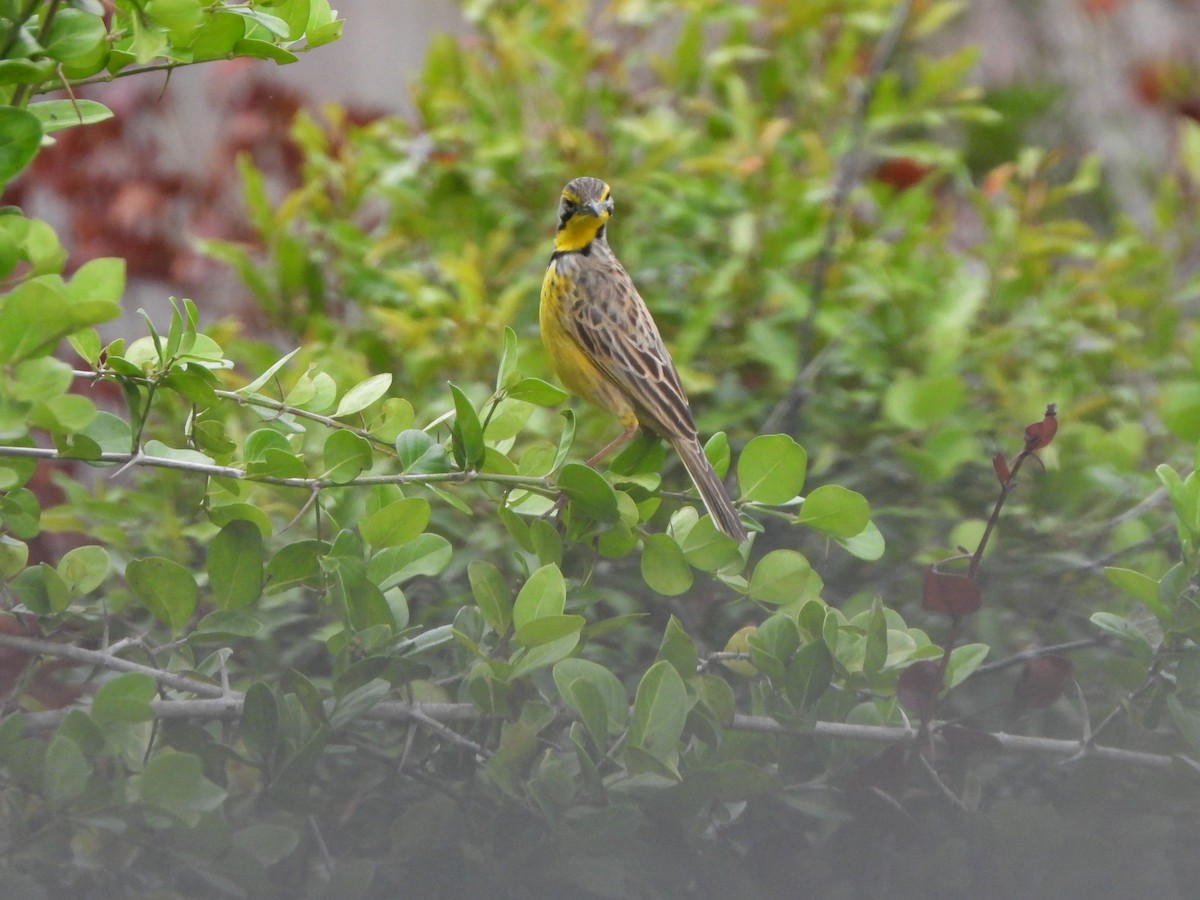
627	347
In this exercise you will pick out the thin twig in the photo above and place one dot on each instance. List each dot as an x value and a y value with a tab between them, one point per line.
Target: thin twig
1019	658
448	733
848	171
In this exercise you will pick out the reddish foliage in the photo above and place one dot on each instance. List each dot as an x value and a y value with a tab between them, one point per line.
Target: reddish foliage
1100	7
995	180
919	685
1172	85
1000	464
1040	434
115	189
954	595
1043	681
902	173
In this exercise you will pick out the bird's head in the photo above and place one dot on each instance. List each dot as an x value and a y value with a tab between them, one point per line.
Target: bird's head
583	211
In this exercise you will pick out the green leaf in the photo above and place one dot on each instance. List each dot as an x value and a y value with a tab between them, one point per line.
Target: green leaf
125	698
867	545
84	569
507	373
876	650
418	454
784	577
716	450
235	565
529	660
543	594
175	783
491	595
427	554
396	523
56	115
273	24
347	455
20	513
467	432
25	71
678	649
664	568
545	629
217	36
589	492
1141	587
65	771
835	510
14	555
963	661
537	392
260	721
166	588
295	565
21	136
363	395
357	702
75	34
773	643
659	711
264	50
1128	633
708	549
266	376
771	469
809	674
42	590
569	677
225	625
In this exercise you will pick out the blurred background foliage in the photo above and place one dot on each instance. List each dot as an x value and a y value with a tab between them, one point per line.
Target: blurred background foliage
964	292
967	278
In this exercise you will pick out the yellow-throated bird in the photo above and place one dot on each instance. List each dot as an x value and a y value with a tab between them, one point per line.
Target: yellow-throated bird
606	348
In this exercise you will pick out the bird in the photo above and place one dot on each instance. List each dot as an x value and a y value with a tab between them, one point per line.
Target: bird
605	347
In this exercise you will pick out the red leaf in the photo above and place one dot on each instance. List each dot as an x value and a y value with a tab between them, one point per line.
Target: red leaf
918	686
1000	464
1043	681
1040	434
954	595
901	173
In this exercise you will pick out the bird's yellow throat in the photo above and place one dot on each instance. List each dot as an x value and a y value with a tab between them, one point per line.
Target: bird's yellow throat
577	232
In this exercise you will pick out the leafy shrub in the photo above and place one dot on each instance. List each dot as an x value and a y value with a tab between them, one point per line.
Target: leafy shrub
322	633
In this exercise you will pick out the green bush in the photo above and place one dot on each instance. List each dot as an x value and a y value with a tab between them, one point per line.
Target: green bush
314	627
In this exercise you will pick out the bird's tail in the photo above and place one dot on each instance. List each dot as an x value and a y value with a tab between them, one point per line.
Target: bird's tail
712	492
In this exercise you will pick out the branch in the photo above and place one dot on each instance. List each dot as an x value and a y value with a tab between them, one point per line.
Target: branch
100	660
439	714
167	67
523	482
1016	743
845	178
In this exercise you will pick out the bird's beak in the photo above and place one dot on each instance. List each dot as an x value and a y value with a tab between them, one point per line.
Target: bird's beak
596	209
